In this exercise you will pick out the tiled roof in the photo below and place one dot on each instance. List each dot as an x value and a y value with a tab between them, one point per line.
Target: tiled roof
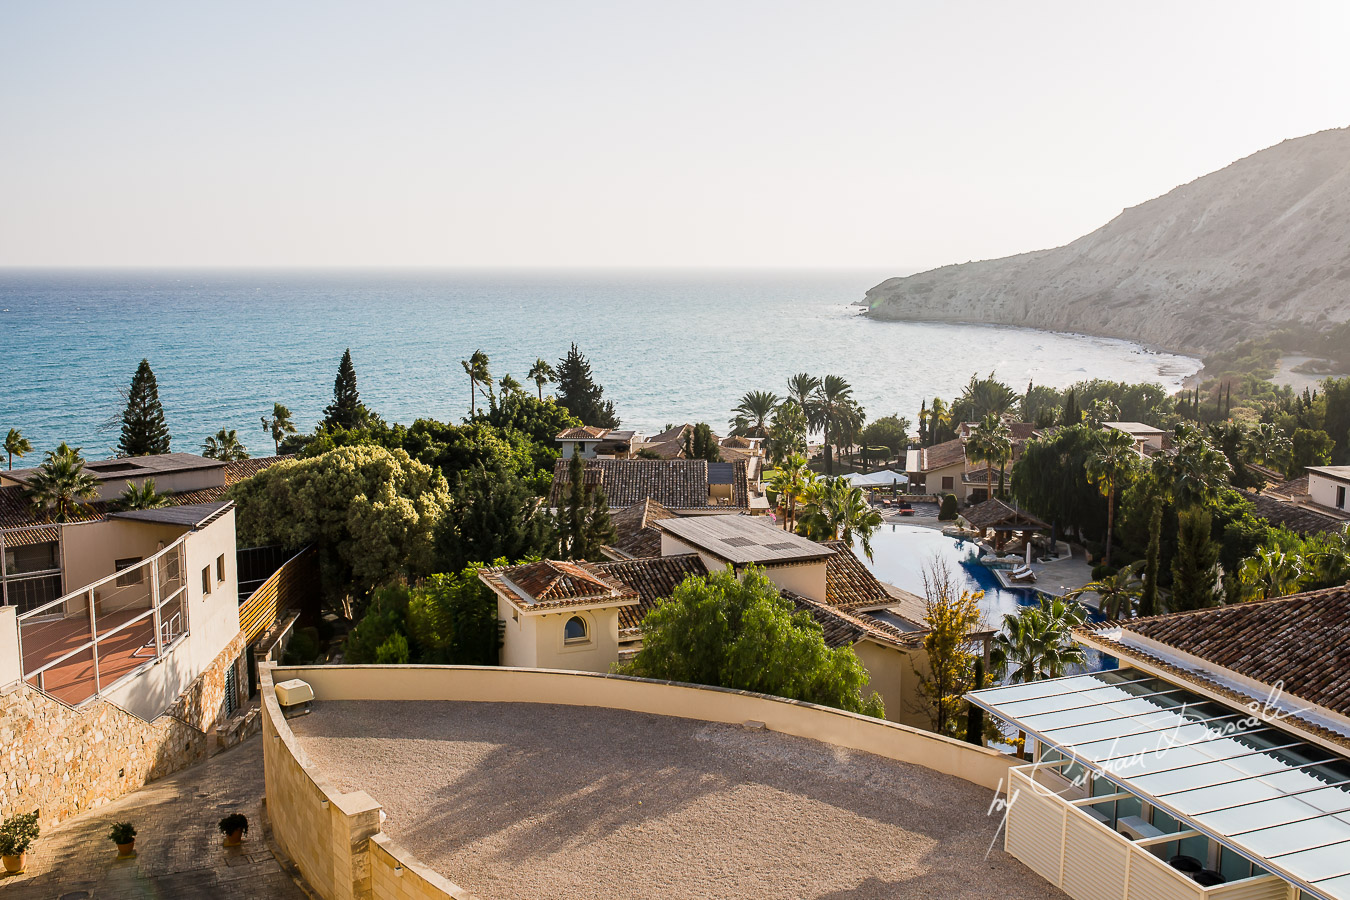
1292	515
997	514
848	583
653	579
1293	488
635	536
1301	642
236	472
844	629
133	466
939	456
550	584
582	433
674	483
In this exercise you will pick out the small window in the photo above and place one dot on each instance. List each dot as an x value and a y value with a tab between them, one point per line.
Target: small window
948	482
206	581
220	567
1340	498
135	576
574	632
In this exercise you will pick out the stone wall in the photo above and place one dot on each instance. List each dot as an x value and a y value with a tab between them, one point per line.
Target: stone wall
63	761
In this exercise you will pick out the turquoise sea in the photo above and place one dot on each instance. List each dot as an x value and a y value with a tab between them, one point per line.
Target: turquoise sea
669	346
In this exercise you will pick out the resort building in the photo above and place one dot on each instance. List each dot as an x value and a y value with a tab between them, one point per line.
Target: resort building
586	616
687	487
593	443
1307	504
171	472
1148	441
1214	762
1328	486
945	469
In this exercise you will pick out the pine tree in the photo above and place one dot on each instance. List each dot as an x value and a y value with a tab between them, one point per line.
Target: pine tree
144	431
580	395
346	410
1194	569
598	530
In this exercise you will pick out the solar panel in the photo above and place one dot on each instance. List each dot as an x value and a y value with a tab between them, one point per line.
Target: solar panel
739	542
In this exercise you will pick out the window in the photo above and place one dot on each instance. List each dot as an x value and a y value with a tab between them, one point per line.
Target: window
1340	498
220	567
948	482
135	576
206	581
574	632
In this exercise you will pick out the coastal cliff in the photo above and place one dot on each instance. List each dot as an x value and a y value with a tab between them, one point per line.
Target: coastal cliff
1263	243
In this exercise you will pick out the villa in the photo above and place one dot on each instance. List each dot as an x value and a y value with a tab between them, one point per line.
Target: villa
1314	502
587	616
1215	762
945	469
597	443
1148	441
687	487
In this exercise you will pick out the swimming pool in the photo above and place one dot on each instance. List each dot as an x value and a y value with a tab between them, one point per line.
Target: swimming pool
901	553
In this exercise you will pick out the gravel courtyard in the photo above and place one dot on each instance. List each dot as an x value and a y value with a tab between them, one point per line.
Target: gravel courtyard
517	801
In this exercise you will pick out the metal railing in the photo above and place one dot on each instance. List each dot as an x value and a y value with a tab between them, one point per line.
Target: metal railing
83	643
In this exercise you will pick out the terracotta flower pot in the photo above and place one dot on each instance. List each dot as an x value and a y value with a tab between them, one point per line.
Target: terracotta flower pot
14	864
234	838
127	849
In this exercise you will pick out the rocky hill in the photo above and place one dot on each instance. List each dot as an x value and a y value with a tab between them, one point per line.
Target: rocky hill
1260	244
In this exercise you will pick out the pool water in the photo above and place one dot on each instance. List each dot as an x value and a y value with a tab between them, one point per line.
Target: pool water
901	553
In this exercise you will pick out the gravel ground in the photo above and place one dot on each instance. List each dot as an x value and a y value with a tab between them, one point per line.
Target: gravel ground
522	801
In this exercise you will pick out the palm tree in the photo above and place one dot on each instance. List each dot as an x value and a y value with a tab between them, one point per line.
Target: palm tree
476	367
143	497
1270	573
508	384
16	445
801	386
790	482
787	431
1197	471
826	409
1037	641
1117	594
939	420
61	484
279	425
755	408
225	446
1112	459
990	443
1268	445
541	373
838	511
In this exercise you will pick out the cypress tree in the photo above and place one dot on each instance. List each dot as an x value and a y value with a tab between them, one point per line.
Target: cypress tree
1071	414
346	410
580	395
573	517
1193	569
1148	600
599	530
144	431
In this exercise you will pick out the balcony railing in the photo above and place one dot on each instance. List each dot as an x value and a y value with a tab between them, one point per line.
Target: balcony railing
82	644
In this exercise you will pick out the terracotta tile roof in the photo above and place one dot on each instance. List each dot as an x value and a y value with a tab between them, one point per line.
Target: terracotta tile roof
677	484
1301	641
653	579
236	472
582	433
1292	515
844	629
848	583
635	536
997	514
939	456
550	584
1293	488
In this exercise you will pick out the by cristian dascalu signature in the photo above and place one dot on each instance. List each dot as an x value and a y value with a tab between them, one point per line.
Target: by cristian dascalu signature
1260	712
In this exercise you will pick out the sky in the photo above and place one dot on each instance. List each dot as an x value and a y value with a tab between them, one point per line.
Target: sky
693	134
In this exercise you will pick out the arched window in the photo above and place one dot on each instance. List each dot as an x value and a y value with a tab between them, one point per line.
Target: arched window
574	631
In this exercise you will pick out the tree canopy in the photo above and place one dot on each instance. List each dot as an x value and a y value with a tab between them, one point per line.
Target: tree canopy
741	633
371	512
144	431
346	410
579	394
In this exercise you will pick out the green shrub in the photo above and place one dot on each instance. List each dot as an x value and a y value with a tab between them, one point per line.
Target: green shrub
948	511
17	833
122	833
1100	572
234	822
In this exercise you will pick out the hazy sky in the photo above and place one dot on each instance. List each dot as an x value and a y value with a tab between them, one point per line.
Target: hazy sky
724	133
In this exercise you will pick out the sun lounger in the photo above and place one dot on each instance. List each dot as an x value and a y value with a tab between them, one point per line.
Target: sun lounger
905	508
1023	573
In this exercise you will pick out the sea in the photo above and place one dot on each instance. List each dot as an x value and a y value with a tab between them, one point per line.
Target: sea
668	346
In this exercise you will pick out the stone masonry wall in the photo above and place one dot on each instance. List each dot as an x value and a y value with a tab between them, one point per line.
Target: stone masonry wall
63	761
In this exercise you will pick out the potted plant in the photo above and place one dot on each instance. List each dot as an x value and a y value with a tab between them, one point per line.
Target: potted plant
234	827
123	834
16	834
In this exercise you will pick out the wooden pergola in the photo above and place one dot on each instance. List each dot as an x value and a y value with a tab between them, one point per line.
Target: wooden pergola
1004	521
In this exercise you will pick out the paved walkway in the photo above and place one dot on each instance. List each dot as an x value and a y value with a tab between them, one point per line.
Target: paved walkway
178	846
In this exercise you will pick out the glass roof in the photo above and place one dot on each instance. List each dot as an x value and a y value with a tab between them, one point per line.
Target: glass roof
1281	801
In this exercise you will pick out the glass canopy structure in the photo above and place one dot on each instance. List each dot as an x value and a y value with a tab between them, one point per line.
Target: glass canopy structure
1280	802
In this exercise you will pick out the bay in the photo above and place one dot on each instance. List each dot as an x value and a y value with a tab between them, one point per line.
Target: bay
668	346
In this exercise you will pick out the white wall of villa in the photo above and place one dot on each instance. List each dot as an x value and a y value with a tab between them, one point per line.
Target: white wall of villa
537	640
1329	486
10	668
